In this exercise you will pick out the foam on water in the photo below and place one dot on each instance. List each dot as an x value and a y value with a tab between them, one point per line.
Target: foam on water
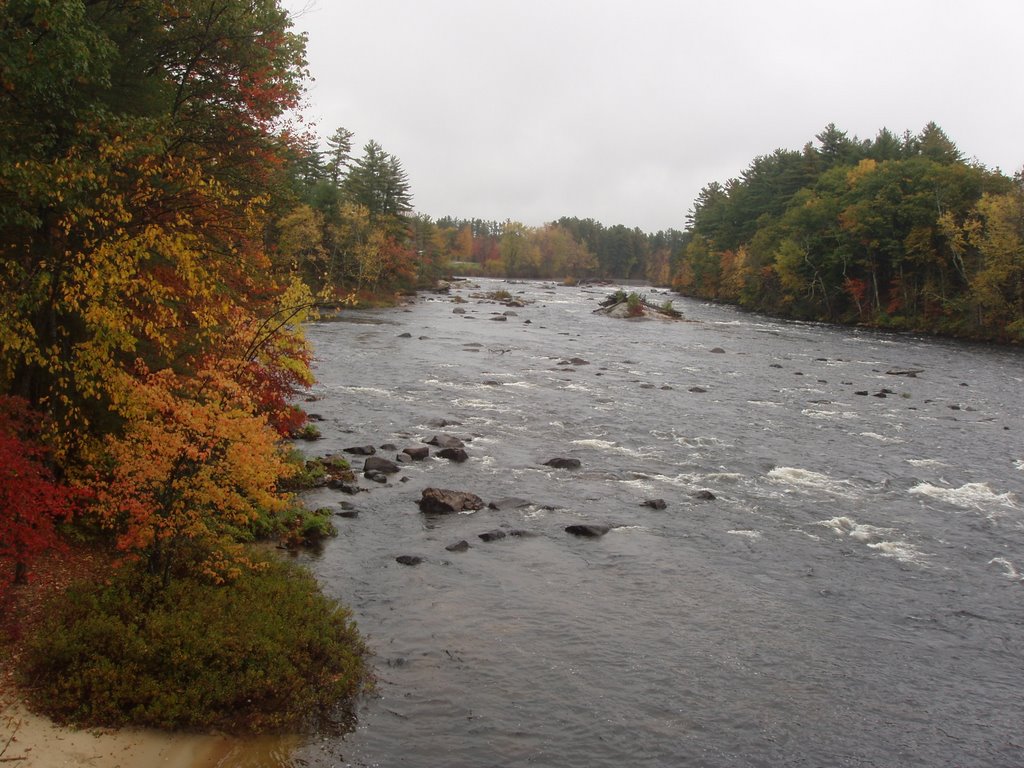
926	463
876	538
1019	464
969	496
830	415
807	479
746	533
881	438
1009	570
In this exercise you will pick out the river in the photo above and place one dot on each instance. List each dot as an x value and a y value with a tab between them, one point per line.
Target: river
851	596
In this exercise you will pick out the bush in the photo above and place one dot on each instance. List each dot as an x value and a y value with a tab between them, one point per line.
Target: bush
635	304
268	652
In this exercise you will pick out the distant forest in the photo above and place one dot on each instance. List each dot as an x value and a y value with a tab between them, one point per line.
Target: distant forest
899	231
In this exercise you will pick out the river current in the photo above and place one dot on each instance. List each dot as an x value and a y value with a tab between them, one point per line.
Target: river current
851	596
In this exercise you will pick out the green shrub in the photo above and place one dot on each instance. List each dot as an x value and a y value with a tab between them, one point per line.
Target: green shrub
268	652
635	304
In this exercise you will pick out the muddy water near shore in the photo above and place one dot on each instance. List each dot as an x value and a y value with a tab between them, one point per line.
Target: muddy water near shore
851	595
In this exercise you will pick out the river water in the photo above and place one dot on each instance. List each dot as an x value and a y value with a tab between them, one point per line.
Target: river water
851	596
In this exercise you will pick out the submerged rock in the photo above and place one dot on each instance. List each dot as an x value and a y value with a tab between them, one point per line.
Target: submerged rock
655	503
587	530
441	501
563	463
458	546
409	559
493	535
705	496
361	450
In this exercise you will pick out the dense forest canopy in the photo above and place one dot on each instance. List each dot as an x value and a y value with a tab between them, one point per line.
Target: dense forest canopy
163	223
898	231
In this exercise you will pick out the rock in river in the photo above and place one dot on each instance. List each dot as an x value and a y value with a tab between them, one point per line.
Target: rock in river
588	530
377	464
417	453
563	463
445	441
458	455
493	535
409	559
445	502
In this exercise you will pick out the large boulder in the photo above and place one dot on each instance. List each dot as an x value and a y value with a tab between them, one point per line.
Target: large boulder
440	501
417	453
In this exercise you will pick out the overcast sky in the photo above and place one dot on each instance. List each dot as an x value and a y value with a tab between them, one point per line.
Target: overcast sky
623	110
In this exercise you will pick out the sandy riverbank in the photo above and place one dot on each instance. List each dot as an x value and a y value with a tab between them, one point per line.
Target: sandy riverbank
31	741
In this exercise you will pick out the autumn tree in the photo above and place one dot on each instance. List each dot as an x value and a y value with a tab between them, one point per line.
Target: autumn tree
32	502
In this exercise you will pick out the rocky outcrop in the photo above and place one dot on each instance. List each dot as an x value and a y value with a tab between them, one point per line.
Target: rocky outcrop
440	501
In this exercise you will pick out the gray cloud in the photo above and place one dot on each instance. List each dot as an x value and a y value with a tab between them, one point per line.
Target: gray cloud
623	110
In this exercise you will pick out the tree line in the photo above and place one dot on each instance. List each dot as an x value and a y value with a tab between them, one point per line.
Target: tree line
898	231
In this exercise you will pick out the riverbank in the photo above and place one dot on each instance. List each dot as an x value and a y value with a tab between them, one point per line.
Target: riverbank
28	740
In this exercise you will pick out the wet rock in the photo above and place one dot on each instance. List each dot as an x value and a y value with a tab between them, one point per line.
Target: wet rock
389	447
458	455
908	372
405	335
314	417
458	311
403	458
458	546
509	502
587	530
646	386
492	383
861	392
705	496
409	559
350	514
665	388
345	487
361	450
375	476
717	351
445	441
441	501
493	535
775	365
417	453
510	313
655	503
698	390
563	463
377	464
499	318
520	533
